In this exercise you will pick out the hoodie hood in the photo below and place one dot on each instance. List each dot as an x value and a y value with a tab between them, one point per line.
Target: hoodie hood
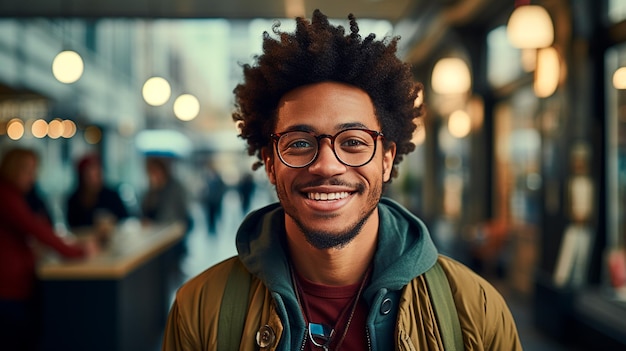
405	248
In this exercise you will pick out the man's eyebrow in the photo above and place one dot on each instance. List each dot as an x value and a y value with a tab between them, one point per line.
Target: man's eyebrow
351	125
299	128
309	128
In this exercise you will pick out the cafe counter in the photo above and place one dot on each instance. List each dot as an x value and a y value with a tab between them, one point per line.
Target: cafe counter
117	300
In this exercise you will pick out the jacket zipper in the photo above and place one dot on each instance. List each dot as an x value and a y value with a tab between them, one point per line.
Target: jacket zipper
303	343
367	335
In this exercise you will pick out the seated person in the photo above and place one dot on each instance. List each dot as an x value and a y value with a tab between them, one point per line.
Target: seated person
93	199
20	226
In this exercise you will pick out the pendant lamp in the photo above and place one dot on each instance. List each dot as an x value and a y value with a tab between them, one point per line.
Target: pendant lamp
547	73
156	91
530	27
68	66
451	75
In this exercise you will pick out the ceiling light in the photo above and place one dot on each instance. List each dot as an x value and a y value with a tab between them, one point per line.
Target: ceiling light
530	27
156	91
451	76
186	107
68	66
547	73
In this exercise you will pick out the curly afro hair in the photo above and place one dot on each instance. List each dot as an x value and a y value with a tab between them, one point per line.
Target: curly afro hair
318	51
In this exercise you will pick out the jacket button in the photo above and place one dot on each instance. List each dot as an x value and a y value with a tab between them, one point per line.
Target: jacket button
265	337
385	307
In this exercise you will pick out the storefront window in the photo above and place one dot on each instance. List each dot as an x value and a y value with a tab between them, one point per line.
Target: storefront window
504	62
616	173
518	146
518	181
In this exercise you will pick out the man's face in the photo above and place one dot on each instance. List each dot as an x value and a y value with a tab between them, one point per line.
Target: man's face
349	195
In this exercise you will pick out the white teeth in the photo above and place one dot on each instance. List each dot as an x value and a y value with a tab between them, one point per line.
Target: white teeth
328	196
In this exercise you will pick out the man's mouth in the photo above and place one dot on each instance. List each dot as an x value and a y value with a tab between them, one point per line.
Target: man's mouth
328	196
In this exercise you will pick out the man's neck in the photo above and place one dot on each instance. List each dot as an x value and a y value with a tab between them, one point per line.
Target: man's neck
334	266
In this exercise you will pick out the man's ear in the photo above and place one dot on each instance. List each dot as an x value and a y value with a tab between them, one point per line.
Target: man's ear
388	156
268	161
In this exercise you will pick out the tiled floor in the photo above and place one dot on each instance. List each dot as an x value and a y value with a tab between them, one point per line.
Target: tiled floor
206	249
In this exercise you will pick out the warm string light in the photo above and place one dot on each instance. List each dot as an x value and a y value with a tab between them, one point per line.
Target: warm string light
57	128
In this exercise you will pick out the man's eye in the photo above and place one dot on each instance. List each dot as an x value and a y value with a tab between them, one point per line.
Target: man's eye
300	144
353	143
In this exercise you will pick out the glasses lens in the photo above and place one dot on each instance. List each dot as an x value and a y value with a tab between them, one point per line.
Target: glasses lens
297	148
355	147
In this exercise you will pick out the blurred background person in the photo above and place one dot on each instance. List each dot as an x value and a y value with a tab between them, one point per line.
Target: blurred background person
20	227
166	199
212	194
245	188
93	203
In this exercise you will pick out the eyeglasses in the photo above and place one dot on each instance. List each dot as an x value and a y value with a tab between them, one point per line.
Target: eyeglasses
353	147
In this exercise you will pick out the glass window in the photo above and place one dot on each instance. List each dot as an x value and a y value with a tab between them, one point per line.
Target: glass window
504	62
616	161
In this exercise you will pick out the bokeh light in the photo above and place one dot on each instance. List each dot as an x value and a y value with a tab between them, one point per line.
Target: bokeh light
15	129
459	124
93	135
156	91
55	128
69	128
186	107
39	128
68	67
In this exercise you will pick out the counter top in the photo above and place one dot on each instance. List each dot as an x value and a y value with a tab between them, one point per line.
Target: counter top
131	245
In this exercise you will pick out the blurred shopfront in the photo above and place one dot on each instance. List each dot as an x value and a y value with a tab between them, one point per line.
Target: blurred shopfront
534	193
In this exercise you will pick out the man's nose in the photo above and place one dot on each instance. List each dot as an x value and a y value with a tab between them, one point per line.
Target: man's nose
326	163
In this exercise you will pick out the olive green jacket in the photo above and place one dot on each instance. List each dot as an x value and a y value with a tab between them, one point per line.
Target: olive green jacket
401	314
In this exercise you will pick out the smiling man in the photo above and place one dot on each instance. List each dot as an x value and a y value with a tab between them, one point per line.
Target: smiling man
334	265
327	128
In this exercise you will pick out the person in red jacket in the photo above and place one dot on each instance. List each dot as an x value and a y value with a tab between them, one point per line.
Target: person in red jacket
20	227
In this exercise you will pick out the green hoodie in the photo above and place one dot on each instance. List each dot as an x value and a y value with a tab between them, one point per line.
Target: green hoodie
405	251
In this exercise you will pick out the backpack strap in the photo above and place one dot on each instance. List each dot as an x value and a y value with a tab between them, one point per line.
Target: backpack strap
445	309
233	308
232	313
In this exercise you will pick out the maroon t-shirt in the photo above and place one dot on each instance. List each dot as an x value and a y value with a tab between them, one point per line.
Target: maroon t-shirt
324	304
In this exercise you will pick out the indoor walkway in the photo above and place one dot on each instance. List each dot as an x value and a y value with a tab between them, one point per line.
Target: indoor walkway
206	249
